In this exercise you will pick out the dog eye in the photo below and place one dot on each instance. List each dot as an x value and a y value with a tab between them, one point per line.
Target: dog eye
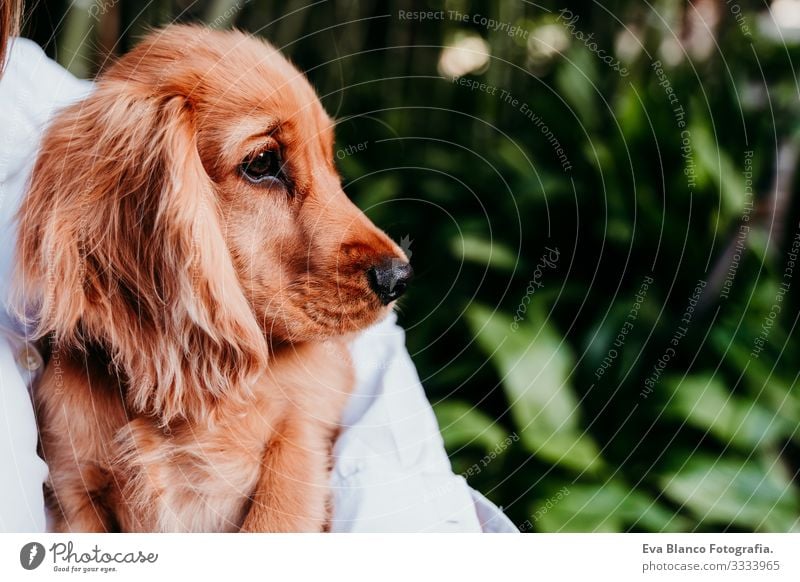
261	166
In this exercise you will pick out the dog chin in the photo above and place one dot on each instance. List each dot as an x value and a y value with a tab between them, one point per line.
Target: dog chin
308	324
352	322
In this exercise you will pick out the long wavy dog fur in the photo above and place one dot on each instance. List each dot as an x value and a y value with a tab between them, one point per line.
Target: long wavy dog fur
188	256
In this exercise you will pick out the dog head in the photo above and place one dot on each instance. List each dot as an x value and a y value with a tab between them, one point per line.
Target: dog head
188	216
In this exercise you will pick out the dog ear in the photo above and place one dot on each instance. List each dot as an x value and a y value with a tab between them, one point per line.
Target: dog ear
120	244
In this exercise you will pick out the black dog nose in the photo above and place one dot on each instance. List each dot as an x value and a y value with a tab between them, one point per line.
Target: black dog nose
389	279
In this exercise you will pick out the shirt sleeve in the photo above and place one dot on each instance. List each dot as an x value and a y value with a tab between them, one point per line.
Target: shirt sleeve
23	472
32	88
391	472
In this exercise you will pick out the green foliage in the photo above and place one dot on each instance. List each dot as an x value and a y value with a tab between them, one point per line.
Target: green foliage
724	491
535	365
566	356
465	425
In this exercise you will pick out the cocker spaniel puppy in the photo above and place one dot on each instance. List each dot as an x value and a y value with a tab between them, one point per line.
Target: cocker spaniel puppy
188	255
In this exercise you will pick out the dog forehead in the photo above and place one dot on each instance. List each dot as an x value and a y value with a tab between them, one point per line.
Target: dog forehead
267	92
213	66
293	115
239	85
255	78
282	93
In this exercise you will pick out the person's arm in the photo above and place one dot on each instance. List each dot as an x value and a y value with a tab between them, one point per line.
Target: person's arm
392	473
21	498
31	89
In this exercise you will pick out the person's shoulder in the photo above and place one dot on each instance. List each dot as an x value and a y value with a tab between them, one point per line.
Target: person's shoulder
27	61
24	48
32	88
32	80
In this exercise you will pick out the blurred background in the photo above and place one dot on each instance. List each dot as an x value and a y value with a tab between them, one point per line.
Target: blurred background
598	200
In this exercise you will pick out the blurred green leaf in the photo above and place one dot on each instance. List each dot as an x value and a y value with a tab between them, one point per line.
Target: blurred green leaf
464	424
76	39
724	490
478	250
535	366
576	80
382	189
704	402
718	165
222	13
629	110
606	507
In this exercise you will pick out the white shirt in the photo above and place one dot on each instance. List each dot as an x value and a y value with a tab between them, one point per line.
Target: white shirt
391	472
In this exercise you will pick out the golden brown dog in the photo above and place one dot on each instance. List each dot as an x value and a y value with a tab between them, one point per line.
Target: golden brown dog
187	250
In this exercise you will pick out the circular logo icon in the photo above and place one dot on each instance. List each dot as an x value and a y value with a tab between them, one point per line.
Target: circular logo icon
31	555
